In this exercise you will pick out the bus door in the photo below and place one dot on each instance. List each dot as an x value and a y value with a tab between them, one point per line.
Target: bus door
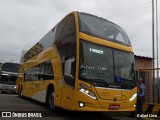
68	83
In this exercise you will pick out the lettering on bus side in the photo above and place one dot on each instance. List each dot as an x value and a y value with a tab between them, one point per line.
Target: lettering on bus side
105	93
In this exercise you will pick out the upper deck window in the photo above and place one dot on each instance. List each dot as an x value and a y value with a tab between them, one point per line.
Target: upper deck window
99	27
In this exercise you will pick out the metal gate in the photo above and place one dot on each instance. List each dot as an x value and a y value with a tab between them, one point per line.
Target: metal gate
152	84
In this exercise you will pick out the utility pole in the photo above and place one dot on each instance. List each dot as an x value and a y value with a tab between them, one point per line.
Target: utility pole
153	49
157	42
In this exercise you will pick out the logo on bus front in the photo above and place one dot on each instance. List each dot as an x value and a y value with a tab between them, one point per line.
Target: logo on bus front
115	99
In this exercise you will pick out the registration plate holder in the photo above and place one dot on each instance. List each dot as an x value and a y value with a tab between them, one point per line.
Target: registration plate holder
114	107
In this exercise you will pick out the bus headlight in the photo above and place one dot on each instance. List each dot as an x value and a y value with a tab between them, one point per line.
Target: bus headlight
133	97
14	87
5	74
88	93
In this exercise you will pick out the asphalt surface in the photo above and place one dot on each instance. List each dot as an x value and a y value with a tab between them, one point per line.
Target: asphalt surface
30	108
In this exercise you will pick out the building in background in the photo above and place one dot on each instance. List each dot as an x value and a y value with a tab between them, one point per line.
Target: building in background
146	73
22	56
143	62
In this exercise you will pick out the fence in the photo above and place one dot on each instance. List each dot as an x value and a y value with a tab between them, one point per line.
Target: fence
152	84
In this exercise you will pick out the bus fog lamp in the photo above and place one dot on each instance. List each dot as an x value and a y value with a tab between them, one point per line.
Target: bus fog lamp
81	104
134	106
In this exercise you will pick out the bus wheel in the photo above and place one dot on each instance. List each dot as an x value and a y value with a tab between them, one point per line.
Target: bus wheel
51	101
20	95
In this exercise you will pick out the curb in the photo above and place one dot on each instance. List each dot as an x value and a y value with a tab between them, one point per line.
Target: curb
152	110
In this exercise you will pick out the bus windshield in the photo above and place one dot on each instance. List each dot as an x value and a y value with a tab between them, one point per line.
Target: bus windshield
99	27
9	73
10	67
105	66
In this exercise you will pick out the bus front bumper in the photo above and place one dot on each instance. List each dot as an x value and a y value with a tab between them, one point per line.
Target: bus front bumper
119	106
85	103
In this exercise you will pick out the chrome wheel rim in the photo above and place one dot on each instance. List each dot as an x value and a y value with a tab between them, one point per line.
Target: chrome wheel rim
51	100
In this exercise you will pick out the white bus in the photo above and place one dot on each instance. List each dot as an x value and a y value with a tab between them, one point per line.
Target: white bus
8	76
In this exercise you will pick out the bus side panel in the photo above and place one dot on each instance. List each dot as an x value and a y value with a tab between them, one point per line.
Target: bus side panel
57	79
39	91
27	89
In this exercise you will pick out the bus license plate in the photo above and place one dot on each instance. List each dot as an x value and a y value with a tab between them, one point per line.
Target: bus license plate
114	107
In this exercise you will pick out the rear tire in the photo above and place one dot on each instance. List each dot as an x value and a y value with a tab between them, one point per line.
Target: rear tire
51	100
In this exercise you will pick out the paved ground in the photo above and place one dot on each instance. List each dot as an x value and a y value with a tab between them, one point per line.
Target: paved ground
11	103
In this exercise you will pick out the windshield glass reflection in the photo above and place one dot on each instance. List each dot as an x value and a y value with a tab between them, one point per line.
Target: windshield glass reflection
102	66
99	27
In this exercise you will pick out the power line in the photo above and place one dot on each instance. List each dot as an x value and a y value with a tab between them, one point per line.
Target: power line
142	36
128	10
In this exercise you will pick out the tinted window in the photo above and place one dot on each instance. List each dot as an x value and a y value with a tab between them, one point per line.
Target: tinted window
45	42
65	35
8	79
124	66
46	71
104	67
10	67
43	71
96	63
102	28
66	45
69	71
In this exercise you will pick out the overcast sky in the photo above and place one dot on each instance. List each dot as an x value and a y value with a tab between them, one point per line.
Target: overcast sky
25	22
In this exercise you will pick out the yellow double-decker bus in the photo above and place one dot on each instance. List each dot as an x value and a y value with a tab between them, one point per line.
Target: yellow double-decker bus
85	63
